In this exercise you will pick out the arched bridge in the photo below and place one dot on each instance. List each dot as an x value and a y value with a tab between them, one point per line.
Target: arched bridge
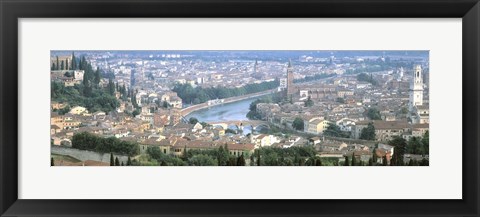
240	124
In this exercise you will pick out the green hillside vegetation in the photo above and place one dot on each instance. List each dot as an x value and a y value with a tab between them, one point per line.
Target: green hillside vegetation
88	94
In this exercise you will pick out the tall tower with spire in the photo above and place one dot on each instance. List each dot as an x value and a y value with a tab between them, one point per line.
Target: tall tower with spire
416	87
290	88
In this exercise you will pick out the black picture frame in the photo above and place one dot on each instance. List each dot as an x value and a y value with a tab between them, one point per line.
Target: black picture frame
12	10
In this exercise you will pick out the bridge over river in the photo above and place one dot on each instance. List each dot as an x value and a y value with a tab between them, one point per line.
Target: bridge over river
239	124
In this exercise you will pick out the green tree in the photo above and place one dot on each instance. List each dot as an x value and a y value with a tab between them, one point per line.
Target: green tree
185	153
112	161
192	120
129	161
111	87
258	158
335	131
318	162
241	161
425	142
122	164
222	156
354	163
309	102
97	77
399	150
58	64
298	124
74	62
368	133
415	146
370	162
52	162
202	160
117	162
346	163
367	78
374	114
66	64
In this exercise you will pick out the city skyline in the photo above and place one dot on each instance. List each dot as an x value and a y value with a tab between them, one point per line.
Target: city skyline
240	108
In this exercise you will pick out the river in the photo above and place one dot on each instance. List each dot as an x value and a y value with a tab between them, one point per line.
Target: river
225	112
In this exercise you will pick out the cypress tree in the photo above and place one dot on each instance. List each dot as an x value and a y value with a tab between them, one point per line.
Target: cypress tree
66	64
74	62
252	160
129	161
111	87
97	77
301	162
185	153
122	164
241	161
80	65
353	160
226	148
112	161
370	162
52	162
346	163
258	158
117	162
58	64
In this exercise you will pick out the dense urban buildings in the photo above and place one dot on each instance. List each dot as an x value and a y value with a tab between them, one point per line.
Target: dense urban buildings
239	108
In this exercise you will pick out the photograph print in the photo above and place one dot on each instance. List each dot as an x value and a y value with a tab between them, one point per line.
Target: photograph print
239	108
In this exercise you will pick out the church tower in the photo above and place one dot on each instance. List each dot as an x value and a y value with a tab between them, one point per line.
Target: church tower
290	88
416	87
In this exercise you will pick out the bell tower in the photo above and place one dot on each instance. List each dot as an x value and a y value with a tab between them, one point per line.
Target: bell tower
290	89
416	87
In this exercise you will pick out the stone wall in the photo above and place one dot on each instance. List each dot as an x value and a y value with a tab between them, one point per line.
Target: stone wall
84	155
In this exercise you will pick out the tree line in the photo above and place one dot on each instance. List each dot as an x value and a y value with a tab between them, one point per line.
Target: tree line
197	157
196	95
88	141
367	78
